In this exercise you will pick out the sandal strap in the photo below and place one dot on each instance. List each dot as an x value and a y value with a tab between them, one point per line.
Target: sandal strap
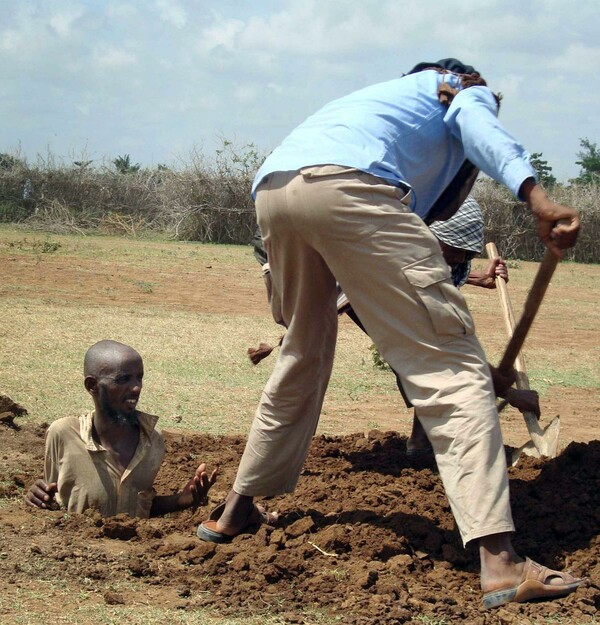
539	573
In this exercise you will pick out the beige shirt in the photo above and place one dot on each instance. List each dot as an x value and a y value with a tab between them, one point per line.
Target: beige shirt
87	474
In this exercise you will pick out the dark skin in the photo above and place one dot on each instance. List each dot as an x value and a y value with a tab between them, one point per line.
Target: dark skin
114	377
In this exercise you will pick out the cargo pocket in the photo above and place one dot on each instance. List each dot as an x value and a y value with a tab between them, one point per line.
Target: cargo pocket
445	305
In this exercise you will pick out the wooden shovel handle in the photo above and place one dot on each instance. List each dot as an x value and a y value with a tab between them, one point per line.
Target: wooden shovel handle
532	305
507	309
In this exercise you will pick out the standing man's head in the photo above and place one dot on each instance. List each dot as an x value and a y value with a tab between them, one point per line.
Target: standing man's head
113	377
461	238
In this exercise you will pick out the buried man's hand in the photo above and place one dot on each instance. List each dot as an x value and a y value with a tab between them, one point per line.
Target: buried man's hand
194	493
41	495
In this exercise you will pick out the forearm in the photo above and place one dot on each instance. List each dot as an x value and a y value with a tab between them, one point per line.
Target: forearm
163	504
558	225
480	278
533	194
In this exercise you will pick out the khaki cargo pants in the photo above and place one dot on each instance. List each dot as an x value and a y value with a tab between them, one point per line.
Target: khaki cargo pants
330	221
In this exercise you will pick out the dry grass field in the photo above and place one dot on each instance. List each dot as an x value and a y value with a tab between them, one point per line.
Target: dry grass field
193	310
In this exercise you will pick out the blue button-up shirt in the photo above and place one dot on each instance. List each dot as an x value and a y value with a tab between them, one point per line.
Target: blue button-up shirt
399	131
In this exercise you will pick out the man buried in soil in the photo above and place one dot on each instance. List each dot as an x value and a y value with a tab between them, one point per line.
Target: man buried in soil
108	459
349	193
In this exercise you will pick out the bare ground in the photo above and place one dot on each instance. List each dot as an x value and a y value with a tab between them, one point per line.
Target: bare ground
366	537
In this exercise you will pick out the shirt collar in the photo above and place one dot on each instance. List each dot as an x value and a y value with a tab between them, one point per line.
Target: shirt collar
86	422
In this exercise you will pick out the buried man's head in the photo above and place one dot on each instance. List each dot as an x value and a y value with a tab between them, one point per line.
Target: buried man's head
113	377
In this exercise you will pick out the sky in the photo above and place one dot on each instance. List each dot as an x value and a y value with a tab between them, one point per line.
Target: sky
161	79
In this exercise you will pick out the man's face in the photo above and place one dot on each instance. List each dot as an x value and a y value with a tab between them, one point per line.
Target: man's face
452	255
119	389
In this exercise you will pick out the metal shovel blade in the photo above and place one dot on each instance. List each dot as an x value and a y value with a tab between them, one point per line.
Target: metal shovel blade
544	442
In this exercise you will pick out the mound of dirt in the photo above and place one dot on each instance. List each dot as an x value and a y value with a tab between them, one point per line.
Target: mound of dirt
9	410
366	536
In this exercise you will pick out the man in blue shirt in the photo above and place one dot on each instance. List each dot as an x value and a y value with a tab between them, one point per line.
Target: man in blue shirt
348	194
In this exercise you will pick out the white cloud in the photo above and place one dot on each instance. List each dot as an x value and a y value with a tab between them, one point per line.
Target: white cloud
223	34
113	58
121	11
312	29
246	94
275	88
172	13
10	41
577	58
509	85
62	21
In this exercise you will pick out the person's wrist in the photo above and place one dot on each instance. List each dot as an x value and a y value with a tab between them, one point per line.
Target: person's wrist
537	200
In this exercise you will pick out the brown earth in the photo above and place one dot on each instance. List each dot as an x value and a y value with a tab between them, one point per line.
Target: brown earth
366	537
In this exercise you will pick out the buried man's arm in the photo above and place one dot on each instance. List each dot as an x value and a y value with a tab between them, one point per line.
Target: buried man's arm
41	495
193	494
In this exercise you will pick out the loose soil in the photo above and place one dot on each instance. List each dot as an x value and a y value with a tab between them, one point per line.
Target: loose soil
366	537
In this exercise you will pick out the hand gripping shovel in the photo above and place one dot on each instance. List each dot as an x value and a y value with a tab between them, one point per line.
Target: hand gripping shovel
544	441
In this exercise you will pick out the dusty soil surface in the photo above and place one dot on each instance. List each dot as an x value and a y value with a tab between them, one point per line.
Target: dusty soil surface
205	287
366	537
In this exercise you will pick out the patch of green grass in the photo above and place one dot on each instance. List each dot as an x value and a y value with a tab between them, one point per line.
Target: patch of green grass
430	620
35	245
156	251
142	285
337	574
88	606
581	377
565	620
378	360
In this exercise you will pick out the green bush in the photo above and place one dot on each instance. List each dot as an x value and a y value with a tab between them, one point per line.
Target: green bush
210	201
510	225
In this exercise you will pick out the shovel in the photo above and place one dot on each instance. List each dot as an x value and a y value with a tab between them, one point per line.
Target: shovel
544	441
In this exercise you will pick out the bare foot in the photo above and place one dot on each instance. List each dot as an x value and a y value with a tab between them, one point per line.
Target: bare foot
502	568
239	512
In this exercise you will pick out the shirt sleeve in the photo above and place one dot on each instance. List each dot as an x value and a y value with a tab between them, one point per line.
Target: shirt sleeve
472	119
52	455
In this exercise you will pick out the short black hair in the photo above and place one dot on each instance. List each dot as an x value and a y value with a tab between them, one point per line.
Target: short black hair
452	65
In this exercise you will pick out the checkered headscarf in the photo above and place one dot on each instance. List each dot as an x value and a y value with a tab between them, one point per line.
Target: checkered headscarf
463	230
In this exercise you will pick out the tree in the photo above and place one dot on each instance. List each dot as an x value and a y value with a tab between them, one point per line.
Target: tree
589	161
124	165
9	162
544	171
